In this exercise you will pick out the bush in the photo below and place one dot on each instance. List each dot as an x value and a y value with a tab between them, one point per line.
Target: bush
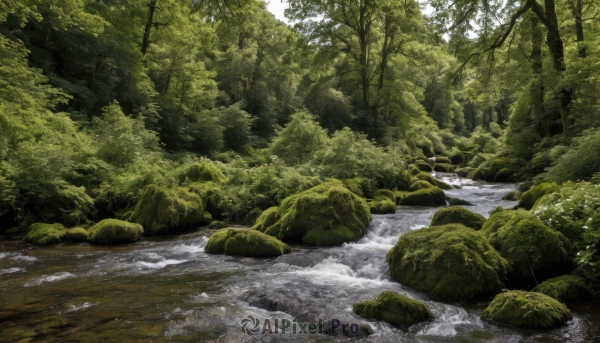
566	287
205	171
244	242
451	261
301	138
393	308
529	310
164	211
528	199
45	234
577	163
113	231
458	215
327	214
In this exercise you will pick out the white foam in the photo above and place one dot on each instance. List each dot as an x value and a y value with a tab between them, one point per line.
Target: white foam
190	248
3	255
331	271
49	278
75	308
10	270
24	258
159	264
445	322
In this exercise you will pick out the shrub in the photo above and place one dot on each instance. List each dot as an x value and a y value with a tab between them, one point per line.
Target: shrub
205	171
301	138
578	163
393	308
450	261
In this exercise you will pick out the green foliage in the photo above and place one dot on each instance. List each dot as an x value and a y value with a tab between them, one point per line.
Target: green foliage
443	167
529	198
458	215
423	166
577	163
393	308
534	251
451	261
301	138
529	310
565	288
383	202
327	214
205	171
163	211
113	231
45	234
244	242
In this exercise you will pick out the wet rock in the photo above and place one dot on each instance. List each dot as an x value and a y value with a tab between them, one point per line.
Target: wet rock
457	202
393	308
45	234
114	231
566	287
245	242
458	215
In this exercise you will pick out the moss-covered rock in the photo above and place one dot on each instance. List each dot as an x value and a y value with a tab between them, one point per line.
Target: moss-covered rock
245	242
566	287
458	215
205	171
383	202
423	166
420	184
216	225
327	214
114	231
512	196
268	218
360	186
458	202
443	159
211	194
45	234
505	175
163	211
530	247
443	167
450	261
393	308
528	310
76	235
432	196
529	198
427	177
496	221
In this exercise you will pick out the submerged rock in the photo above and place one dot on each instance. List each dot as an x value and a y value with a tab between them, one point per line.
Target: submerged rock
327	214
45	234
245	242
450	261
383	202
114	231
458	215
566	287
163	211
393	308
529	310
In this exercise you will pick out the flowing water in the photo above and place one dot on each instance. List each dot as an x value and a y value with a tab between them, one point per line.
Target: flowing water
169	290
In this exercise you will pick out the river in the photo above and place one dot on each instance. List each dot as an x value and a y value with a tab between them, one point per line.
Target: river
169	290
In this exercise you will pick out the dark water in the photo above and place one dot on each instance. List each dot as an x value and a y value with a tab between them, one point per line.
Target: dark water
168	289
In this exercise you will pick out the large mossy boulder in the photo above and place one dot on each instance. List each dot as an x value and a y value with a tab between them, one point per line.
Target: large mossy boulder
423	166
529	310
496	221
393	308
431	196
566	287
76	235
534	251
383	202
458	215
327	214
114	231
443	159
245	242
450	261
362	187
45	234
433	181
529	198
163	211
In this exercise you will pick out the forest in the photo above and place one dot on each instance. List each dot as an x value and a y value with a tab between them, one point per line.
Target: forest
126	120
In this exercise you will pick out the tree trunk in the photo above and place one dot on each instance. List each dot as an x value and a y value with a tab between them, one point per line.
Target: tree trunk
577	7
148	27
537	85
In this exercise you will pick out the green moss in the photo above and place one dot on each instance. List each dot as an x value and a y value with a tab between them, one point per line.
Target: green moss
423	166
76	235
45	234
400	195
450	261
505	175
443	159
512	196
323	215
164	211
496	221
427	177
528	310
420	184
529	198
360	186
414	171
215	225
464	172
458	215
566	287
384	202
244	242
211	194
457	202
425	197
443	167
114	231
205	171
268	218
393	308
530	247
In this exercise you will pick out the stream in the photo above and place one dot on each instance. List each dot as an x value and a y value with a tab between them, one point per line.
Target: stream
168	290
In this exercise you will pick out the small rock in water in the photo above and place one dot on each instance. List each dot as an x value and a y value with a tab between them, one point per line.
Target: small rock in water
457	201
